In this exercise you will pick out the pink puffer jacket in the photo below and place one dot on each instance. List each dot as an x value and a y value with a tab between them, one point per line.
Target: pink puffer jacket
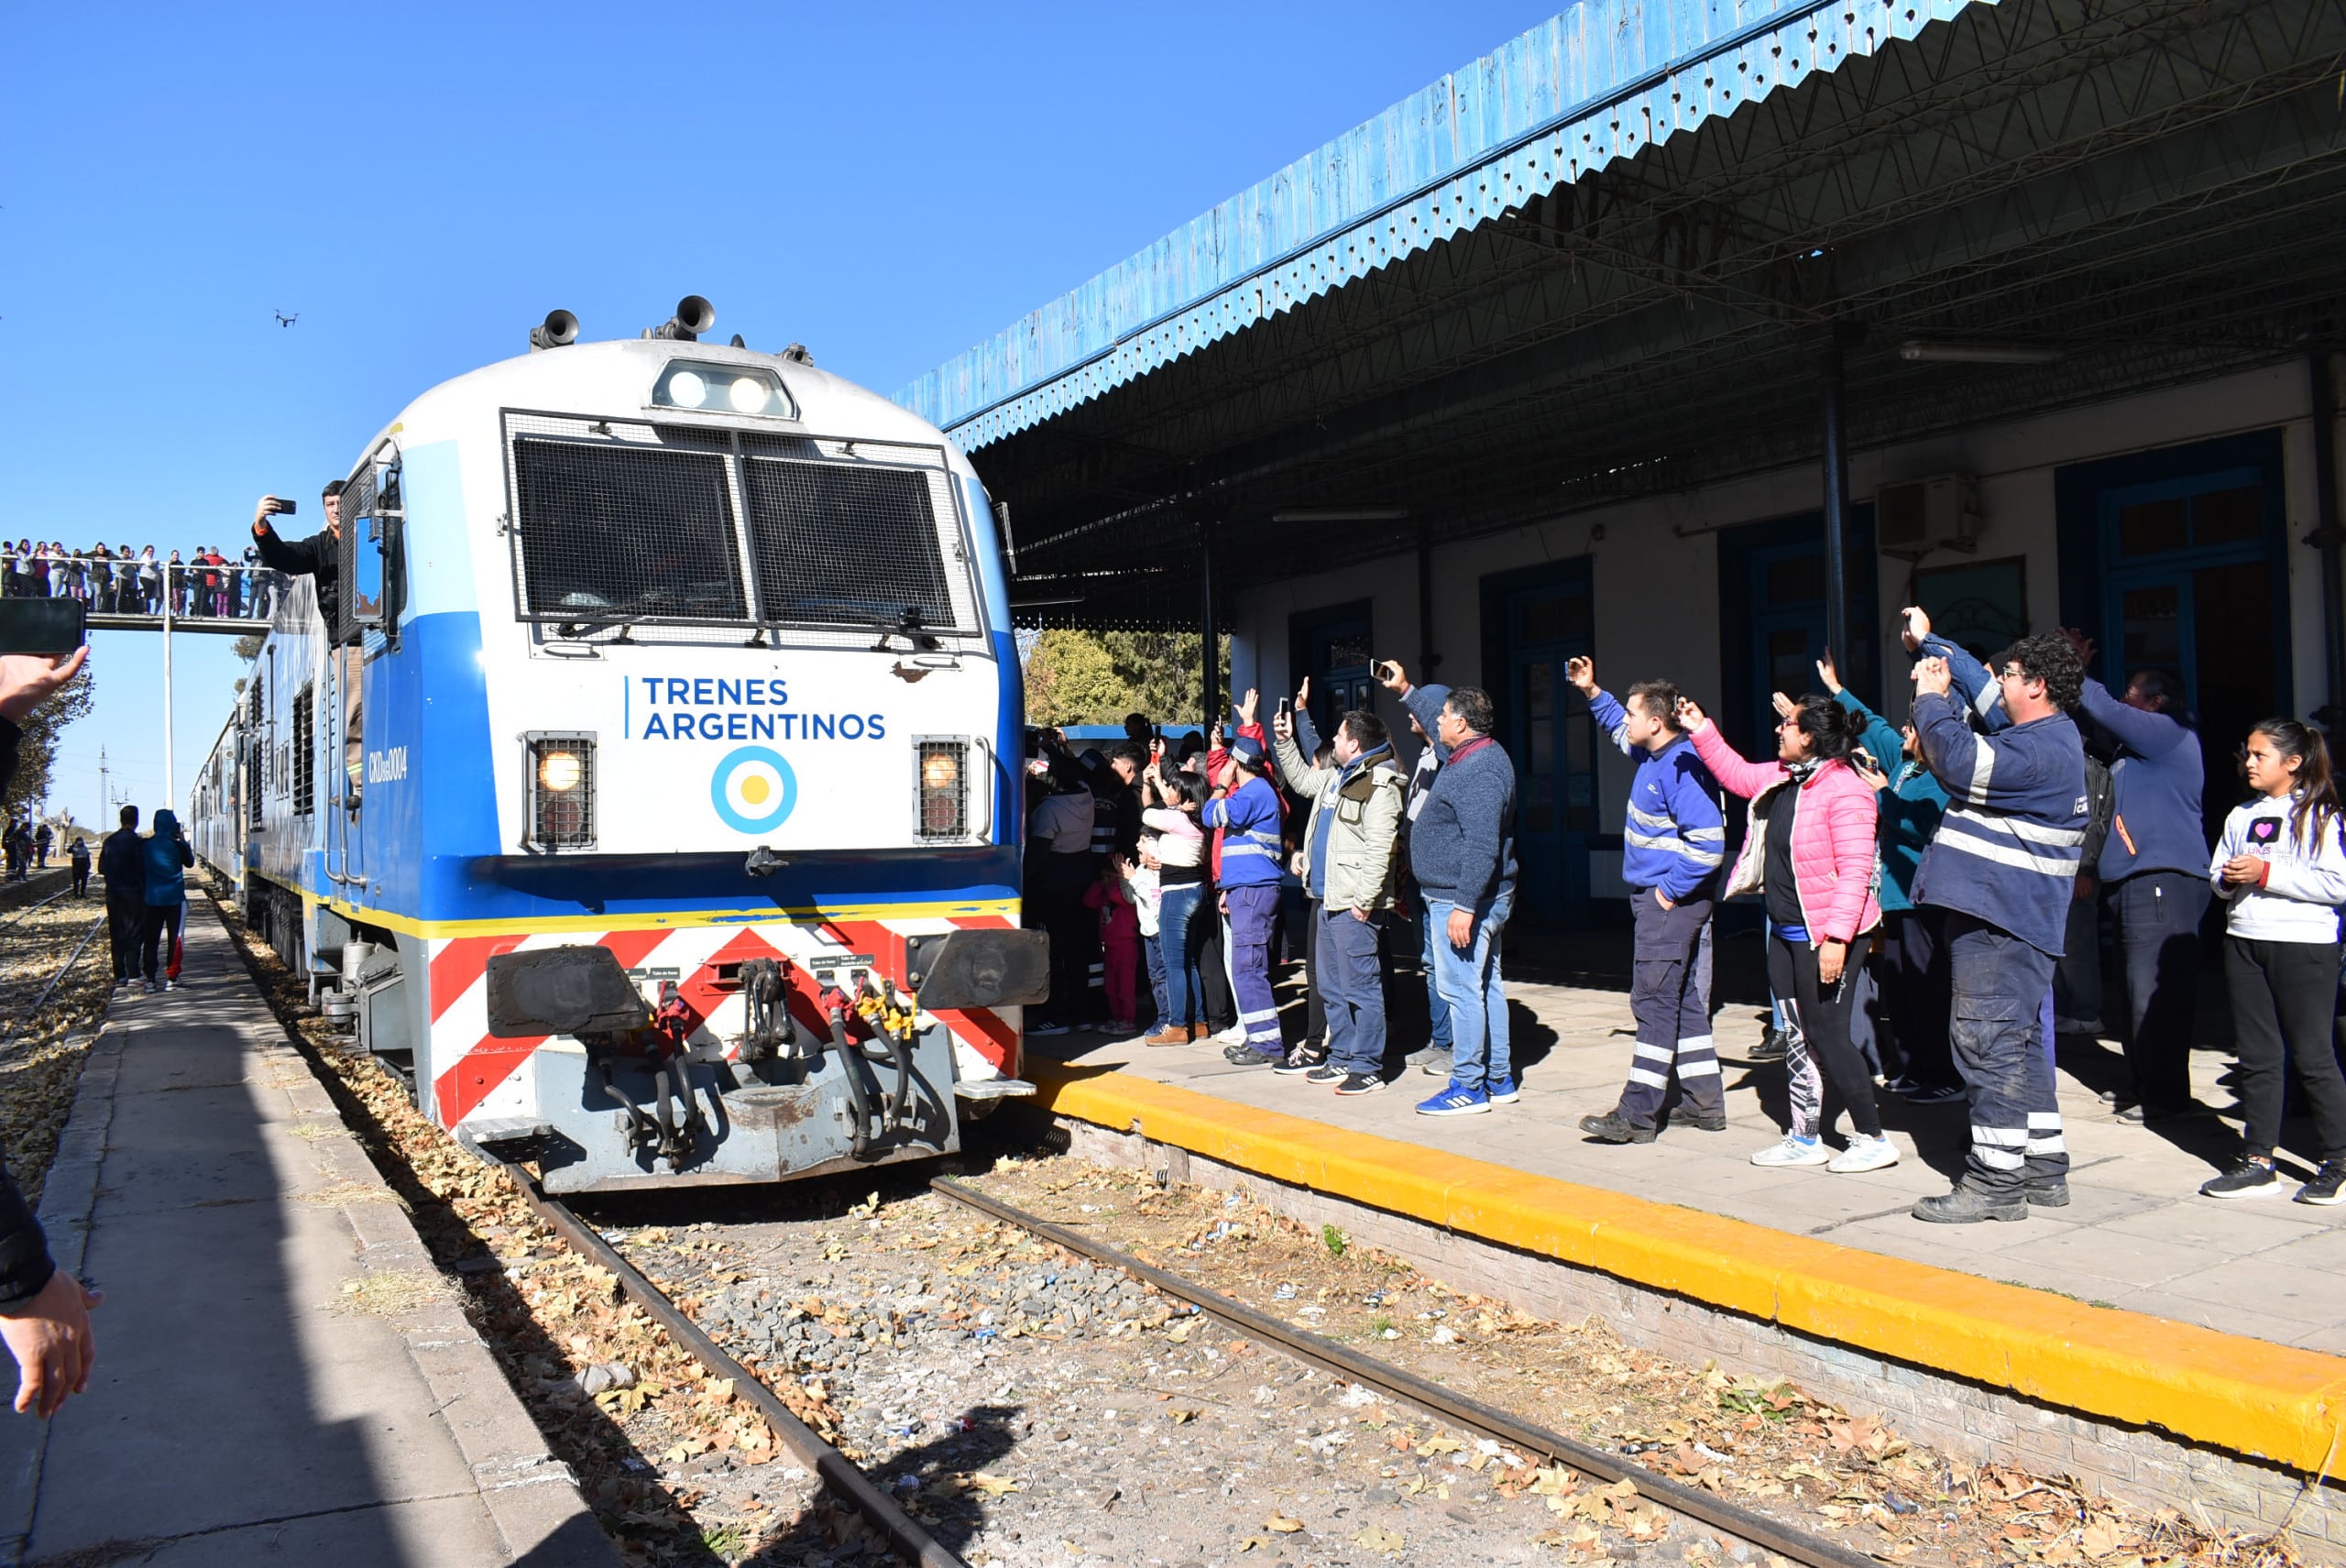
1834	861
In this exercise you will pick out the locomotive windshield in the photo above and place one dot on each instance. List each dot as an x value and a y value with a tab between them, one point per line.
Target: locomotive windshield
618	523
626	534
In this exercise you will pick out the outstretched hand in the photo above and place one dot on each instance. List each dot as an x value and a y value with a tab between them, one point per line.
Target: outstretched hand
1303	693
1247	703
1932	676
1830	672
1785	707
1283	726
1691	716
2081	642
1914	626
1391	677
1581	670
28	680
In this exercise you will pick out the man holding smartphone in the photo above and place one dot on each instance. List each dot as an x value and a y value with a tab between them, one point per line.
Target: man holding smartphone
318	557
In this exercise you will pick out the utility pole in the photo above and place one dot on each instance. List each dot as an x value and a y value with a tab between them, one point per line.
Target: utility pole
105	801
170	795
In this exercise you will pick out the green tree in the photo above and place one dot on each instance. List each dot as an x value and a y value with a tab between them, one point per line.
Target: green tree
1098	677
37	752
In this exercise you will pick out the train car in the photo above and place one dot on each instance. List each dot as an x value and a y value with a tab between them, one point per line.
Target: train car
645	786
215	819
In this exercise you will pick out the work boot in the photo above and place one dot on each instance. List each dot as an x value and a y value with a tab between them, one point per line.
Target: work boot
1614	1128
1772	1046
1714	1123
2048	1191
1969	1206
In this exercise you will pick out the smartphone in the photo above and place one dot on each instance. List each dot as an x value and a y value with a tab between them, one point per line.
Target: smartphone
1286	705
52	625
286	507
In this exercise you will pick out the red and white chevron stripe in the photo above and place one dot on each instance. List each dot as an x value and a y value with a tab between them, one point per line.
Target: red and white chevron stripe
482	1078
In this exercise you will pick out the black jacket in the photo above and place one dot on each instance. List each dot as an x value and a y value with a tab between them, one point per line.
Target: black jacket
122	863
24	1267
318	556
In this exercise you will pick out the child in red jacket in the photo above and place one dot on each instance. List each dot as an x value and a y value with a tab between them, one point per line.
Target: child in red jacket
1112	896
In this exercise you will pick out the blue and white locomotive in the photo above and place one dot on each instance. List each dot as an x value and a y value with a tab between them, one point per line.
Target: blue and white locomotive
652	802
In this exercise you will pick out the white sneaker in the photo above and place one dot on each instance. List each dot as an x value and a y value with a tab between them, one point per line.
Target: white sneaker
1794	1151
1864	1154
1233	1035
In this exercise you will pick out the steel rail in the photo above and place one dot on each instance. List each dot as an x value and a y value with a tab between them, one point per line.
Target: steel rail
28	908
1785	1540
835	1469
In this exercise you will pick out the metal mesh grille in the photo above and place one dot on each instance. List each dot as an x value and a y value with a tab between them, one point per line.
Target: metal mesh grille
845	543
940	788
562	792
615	532
305	752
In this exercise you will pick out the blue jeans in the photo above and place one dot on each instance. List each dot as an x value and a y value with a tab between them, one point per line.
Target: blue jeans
1176	910
1153	949
1471	990
1436	1010
1351	989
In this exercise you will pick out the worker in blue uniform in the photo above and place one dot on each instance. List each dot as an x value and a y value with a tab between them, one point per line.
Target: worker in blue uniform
1248	814
1674	841
2004	866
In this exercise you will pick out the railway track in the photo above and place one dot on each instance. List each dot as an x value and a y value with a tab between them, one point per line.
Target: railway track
1493	1429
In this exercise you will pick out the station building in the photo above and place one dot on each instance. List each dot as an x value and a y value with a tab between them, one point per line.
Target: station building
1600	344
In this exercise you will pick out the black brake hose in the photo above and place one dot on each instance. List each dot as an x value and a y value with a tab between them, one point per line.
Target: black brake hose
852	1070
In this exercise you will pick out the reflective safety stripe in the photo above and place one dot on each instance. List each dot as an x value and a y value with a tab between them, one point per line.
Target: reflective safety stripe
1707	834
1698	1068
2054	1144
2006	854
2040	1120
1654	1053
2011	1137
1271	1013
1651	820
1983	767
1695	1043
1651	1079
2001	1159
1238	850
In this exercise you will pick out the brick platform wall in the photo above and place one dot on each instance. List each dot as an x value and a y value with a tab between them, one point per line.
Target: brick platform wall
1955	1415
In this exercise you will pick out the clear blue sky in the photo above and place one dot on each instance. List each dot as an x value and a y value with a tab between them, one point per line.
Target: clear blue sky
887	184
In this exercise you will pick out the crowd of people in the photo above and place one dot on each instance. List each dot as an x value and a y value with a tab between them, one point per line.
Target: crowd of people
1931	895
26	844
117	581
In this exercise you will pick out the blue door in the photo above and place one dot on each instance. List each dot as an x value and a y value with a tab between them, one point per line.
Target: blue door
1771	613
1544	617
2192	583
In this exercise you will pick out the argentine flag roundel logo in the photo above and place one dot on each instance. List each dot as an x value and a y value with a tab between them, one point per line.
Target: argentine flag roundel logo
753	789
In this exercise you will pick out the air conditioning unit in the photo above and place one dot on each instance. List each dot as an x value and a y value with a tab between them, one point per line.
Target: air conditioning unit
1915	517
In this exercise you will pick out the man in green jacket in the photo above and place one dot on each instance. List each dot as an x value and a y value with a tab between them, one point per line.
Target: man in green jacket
1348	869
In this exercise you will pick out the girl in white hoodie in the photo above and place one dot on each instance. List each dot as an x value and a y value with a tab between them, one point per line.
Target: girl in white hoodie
2281	867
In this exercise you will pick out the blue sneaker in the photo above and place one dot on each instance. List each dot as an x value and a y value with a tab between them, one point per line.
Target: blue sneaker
1504	1092
1456	1101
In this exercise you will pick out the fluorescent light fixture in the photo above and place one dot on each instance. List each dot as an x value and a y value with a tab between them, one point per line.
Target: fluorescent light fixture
1342	514
1933	351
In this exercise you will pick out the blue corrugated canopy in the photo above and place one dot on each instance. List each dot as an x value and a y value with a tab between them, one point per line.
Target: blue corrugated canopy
1594	85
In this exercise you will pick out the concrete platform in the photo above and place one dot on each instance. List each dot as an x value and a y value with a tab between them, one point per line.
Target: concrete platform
2136	1258
282	1374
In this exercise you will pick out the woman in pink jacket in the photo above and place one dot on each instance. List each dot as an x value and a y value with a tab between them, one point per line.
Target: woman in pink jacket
1810	854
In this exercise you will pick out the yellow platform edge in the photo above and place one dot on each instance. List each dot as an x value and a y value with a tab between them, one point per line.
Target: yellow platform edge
2228	1390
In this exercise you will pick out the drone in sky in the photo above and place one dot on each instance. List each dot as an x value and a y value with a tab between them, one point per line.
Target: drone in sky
284	320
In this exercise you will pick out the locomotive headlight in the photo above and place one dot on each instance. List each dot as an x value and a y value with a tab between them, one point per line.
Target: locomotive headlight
723	388
561	778
941	809
560	772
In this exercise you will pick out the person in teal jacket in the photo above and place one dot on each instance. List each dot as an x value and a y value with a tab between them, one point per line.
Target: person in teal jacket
1914	983
166	859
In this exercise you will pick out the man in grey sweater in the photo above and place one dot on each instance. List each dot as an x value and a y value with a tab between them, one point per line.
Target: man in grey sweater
1462	852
